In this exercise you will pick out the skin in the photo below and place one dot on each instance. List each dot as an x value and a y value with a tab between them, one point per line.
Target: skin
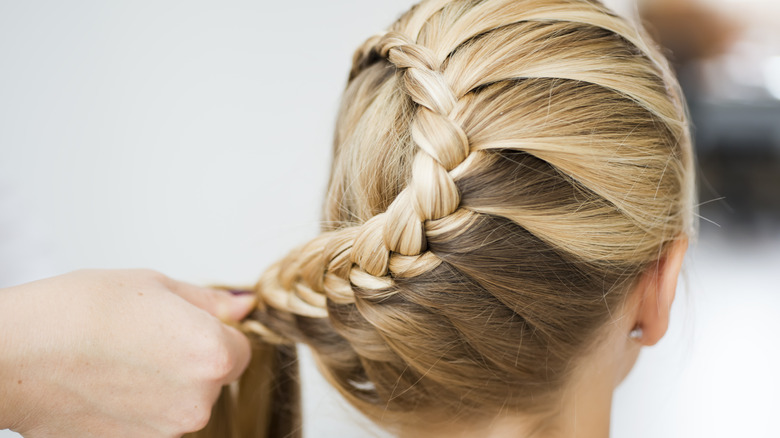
116	353
586	402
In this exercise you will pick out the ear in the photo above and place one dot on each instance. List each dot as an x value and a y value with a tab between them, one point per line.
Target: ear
656	291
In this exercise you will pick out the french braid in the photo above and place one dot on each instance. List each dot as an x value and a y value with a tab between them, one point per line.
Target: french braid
503	171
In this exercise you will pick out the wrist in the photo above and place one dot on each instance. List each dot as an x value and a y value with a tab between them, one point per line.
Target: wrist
16	315
9	379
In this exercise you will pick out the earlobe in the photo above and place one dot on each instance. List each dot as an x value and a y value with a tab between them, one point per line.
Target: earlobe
656	291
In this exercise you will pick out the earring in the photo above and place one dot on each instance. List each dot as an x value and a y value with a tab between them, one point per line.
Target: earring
636	333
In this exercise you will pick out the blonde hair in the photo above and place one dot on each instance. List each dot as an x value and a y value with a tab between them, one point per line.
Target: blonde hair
503	172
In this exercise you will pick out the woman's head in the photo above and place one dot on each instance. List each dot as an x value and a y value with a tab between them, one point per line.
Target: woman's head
505	174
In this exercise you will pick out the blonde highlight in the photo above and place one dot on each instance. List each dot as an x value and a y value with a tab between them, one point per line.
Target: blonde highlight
503	172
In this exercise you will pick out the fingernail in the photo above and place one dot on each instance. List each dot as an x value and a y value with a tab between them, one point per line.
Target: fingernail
241	305
233	308
241	291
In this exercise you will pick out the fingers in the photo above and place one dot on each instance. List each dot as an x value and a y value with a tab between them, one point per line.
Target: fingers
222	304
228	308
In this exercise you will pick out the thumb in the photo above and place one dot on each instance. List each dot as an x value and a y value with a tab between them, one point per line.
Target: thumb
220	303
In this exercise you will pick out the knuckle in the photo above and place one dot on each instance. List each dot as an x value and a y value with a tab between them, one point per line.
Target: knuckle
195	418
214	358
220	363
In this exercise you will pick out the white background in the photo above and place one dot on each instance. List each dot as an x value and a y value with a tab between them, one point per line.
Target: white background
194	138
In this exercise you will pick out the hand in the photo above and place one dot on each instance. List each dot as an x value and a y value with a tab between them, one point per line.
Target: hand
116	353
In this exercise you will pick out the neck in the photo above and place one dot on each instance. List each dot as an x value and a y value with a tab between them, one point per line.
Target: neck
583	412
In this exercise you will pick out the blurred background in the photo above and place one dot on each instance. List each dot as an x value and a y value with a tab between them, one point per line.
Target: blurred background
194	138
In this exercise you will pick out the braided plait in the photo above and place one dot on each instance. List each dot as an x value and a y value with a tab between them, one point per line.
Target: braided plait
302	282
431	193
503	171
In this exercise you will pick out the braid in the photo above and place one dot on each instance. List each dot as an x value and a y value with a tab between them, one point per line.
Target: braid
503	171
296	284
431	194
302	282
